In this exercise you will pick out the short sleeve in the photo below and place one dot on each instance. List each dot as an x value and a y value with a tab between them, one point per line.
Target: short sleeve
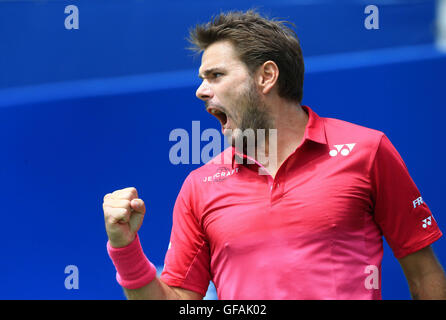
187	262
400	211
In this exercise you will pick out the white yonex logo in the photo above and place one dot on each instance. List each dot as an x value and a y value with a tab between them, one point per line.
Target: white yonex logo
417	202
340	149
427	222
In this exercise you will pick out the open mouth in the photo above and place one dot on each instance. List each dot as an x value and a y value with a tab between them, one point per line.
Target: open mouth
219	114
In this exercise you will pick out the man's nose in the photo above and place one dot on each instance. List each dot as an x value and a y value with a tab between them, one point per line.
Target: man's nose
204	92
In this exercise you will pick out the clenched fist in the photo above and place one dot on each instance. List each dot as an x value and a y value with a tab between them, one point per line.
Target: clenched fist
123	214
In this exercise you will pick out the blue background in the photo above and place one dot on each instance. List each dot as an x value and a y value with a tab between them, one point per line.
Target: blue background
85	112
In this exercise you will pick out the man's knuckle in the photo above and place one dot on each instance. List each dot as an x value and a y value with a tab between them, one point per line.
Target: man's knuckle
122	203
126	204
133	192
118	215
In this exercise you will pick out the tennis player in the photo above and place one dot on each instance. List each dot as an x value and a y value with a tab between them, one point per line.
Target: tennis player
309	225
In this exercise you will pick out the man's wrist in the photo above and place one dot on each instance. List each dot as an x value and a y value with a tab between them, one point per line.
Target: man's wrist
133	269
120	244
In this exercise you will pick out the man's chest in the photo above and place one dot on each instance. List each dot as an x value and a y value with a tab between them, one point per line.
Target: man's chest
315	204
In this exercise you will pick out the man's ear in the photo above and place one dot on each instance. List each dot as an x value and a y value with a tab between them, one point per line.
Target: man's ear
267	76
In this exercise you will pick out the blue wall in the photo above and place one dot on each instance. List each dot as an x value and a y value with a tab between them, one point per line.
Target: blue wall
85	112
118	38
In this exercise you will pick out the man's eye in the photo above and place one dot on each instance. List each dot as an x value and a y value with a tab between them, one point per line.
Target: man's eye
217	74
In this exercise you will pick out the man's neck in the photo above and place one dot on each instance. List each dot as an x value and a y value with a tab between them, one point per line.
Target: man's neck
290	121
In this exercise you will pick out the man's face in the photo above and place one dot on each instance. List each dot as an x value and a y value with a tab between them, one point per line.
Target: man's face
229	91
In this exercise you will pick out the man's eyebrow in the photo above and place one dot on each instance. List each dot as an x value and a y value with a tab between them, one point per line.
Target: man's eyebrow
208	72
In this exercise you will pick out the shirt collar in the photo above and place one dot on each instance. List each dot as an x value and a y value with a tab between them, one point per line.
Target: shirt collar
314	131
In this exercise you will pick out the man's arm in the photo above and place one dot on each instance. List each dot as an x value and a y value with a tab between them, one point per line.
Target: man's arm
124	213
158	290
424	275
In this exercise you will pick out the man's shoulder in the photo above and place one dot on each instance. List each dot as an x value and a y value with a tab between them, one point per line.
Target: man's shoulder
342	126
337	130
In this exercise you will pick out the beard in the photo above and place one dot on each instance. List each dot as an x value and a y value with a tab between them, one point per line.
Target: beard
253	122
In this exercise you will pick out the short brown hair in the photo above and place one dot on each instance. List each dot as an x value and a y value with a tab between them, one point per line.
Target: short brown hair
256	40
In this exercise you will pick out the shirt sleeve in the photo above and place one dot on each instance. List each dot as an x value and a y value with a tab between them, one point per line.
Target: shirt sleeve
187	262
404	218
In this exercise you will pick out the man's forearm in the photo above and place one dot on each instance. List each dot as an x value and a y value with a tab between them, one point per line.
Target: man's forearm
431	287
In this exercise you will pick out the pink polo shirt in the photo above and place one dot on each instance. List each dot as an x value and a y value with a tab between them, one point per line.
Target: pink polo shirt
313	232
